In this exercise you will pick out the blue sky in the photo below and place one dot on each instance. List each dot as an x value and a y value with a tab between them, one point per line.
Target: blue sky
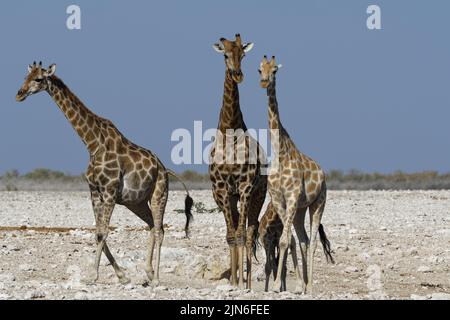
349	97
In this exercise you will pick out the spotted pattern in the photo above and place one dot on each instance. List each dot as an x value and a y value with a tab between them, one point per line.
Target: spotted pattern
239	183
119	171
297	184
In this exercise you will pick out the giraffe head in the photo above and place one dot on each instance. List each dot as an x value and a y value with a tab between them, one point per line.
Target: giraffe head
35	81
267	70
233	52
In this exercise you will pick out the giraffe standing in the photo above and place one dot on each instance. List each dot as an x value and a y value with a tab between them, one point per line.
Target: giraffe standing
270	230
296	183
119	171
239	181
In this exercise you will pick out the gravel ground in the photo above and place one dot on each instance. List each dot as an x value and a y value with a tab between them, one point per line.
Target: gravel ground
387	245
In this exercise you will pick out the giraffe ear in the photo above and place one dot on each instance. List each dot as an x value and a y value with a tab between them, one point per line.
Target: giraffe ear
218	47
279	66
248	46
30	68
51	70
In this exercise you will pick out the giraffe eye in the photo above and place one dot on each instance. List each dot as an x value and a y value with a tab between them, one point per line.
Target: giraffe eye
38	79
259	71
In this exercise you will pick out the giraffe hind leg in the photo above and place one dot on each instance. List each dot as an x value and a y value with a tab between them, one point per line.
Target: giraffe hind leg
299	226
158	206
316	211
143	211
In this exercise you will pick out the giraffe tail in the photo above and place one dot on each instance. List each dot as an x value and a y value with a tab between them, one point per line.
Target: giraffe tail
188	203
255	241
326	244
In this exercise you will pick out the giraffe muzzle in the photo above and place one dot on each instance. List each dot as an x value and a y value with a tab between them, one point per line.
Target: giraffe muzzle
21	95
264	84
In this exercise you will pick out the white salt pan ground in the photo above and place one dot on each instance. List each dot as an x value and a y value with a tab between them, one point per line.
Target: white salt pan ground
391	245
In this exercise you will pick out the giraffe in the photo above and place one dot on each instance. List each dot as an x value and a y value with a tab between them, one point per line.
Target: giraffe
242	181
296	183
270	229
119	172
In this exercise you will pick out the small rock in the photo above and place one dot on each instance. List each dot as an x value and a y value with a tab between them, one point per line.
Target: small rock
440	296
161	288
25	267
223	281
204	292
424	269
4	296
351	269
12	247
34	295
80	296
225	288
130	286
353	231
7	277
378	251
364	256
417	297
435	260
383	228
215	268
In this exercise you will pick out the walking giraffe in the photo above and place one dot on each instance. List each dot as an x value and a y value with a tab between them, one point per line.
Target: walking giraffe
119	171
239	181
296	183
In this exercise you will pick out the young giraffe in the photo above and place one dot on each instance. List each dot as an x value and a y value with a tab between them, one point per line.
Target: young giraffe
119	171
270	230
241	181
296	183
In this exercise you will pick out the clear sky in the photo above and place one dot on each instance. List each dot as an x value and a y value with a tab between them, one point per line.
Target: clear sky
349	97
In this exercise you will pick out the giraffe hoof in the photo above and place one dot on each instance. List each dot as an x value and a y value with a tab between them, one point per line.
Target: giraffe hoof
90	279
155	283
124	280
299	290
276	288
150	275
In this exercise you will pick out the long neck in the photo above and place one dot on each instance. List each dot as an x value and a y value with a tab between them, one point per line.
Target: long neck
230	114
83	120
274	115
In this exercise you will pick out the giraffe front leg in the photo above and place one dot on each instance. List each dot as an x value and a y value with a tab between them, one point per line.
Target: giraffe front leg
230	237
241	240
98	207
102	229
123	279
